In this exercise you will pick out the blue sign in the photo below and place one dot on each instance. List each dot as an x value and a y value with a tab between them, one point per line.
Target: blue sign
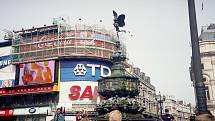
84	70
5	61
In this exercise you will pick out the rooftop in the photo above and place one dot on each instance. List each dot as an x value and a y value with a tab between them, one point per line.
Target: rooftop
208	33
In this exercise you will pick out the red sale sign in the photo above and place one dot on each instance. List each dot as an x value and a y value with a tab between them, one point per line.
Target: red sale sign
89	92
78	95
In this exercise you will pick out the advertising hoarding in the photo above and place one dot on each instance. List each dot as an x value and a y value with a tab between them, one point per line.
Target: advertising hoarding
84	70
36	73
78	86
31	111
6	112
7	70
5	61
5	50
26	89
7	83
66	42
79	95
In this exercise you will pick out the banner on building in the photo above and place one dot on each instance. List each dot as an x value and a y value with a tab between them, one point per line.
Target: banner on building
84	70
79	95
7	83
6	112
36	73
27	89
5	61
31	110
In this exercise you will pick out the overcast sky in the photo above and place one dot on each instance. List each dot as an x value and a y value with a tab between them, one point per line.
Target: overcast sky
161	42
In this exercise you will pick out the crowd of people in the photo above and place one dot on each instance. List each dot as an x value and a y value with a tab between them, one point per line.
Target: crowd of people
200	117
116	115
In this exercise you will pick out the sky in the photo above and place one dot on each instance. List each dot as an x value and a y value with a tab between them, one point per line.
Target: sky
160	45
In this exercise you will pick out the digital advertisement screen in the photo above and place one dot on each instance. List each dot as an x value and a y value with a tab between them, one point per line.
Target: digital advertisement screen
36	73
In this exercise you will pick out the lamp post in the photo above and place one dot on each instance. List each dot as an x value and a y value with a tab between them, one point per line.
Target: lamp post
201	101
160	99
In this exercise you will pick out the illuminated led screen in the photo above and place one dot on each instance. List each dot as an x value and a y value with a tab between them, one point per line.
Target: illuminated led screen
36	73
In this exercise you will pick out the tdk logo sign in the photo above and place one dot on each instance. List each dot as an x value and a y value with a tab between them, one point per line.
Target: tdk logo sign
84	70
80	70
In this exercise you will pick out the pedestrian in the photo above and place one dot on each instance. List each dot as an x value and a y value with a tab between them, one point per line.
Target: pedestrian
167	116
78	116
115	115
84	114
59	115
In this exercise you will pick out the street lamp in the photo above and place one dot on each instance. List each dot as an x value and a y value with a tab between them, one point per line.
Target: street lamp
201	101
160	99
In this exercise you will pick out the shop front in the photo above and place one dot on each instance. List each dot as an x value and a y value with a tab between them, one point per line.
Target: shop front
31	114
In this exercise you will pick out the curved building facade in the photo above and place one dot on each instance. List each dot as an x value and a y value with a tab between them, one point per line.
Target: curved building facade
56	66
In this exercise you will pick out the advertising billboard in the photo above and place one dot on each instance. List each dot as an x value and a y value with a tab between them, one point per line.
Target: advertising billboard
36	73
5	61
84	70
26	89
7	71
66	42
7	83
78	86
79	95
6	112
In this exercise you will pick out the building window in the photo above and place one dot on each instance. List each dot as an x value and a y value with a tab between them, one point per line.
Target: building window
207	93
204	79
202	66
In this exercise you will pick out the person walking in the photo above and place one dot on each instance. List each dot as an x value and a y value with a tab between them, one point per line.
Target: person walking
78	116
167	116
59	115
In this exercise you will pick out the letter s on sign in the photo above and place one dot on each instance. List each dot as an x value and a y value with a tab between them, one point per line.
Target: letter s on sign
75	92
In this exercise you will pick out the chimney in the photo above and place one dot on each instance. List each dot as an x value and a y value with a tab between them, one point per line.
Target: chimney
147	79
137	71
142	75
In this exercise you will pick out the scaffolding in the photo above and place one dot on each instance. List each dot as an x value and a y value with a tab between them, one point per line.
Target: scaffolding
61	40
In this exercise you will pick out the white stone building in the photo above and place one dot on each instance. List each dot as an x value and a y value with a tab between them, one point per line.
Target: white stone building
207	52
147	91
179	109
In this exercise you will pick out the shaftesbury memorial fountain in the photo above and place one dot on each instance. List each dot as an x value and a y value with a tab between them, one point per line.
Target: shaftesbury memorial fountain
121	87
